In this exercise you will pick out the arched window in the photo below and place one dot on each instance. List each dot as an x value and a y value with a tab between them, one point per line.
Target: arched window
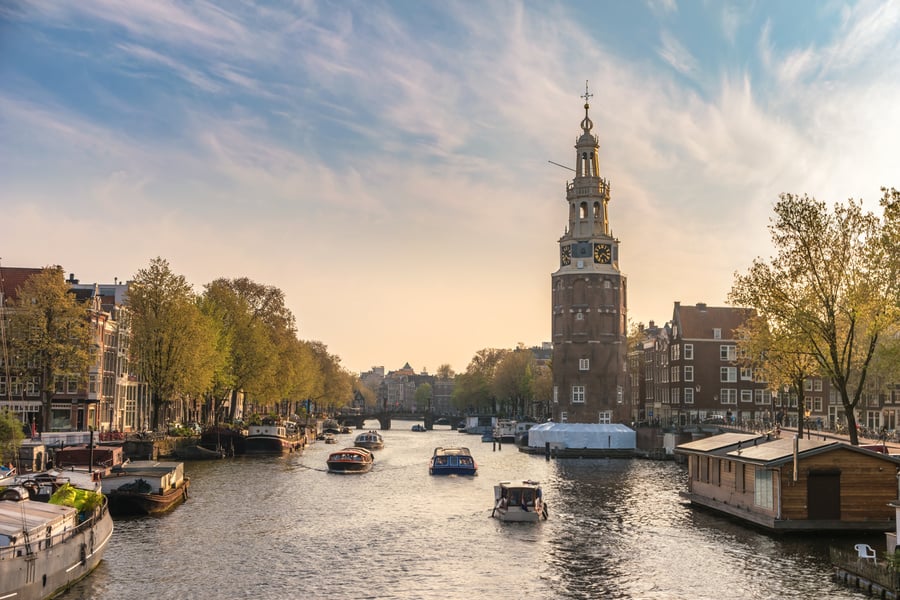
583	210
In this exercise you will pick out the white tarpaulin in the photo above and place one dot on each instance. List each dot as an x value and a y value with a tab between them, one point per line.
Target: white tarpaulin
582	435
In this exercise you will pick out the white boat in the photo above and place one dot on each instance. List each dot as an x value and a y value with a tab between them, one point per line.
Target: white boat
505	431
51	534
521	501
370	440
274	437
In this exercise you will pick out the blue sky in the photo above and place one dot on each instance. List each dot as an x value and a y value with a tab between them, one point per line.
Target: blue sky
385	164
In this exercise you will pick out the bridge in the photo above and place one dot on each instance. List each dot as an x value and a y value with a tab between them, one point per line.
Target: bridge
385	418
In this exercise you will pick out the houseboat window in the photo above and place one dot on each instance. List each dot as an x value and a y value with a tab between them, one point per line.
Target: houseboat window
763	496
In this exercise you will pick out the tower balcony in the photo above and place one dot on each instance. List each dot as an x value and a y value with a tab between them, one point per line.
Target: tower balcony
587	187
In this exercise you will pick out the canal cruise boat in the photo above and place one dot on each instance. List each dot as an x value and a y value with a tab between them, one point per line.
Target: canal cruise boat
351	460
454	460
371	440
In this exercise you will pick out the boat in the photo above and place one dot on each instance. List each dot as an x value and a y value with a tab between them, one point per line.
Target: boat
53	539
198	452
520	501
418	427
370	440
505	431
453	460
225	438
331	426
145	487
330	439
274	437
351	460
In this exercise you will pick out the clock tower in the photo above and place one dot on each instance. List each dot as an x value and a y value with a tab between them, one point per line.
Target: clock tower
589	300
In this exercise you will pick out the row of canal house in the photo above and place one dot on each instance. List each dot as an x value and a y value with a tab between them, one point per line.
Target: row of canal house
688	371
786	484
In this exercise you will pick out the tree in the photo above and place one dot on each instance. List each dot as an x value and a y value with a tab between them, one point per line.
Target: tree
50	335
445	371
472	389
513	381
11	436
830	288
423	396
166	328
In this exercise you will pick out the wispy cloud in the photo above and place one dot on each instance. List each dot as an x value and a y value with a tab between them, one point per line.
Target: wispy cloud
673	52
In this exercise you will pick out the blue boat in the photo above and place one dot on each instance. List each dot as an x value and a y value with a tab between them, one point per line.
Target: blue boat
454	460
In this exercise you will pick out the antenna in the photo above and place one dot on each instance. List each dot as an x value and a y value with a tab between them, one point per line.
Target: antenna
559	165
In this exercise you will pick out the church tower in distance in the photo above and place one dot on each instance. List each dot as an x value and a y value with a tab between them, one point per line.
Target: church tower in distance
589	300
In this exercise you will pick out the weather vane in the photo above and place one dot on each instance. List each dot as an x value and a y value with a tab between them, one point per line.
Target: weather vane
587	95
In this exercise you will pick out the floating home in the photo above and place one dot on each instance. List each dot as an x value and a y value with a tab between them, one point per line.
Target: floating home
792	485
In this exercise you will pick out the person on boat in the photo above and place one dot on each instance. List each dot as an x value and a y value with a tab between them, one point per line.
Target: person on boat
524	503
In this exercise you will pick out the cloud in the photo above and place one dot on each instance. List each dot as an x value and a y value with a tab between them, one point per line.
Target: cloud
676	55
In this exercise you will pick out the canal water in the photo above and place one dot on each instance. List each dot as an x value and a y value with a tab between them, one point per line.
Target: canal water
274	528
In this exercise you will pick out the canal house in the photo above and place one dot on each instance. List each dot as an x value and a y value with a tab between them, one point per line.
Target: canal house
792	485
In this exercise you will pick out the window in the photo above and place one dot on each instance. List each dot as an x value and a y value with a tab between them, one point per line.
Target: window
607	284
807	385
817	384
605	417
563	417
727	352
717	334
763	491
728	396
555	394
33	386
688	373
746	395
676	352
817	404
746	374
688	352
688	395
728	374
579	316
577	394
584	364
675	397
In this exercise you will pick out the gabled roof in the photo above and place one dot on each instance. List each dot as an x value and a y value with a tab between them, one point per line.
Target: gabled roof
13	278
699	321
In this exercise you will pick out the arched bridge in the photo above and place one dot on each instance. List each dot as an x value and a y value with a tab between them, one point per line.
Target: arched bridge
385	418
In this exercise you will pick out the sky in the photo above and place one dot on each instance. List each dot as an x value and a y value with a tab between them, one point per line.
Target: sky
389	165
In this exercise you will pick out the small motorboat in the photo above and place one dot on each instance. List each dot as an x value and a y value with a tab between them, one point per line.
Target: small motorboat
418	427
520	501
330	439
351	460
370	440
454	460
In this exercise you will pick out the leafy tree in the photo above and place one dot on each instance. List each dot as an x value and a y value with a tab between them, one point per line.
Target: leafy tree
50	334
166	327
445	371
513	381
424	396
11	436
472	389
336	388
831	288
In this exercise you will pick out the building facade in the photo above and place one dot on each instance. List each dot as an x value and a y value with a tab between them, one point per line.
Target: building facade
589	300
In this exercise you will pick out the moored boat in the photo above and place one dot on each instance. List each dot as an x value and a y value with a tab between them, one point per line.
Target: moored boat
521	501
351	460
274	437
145	487
455	460
370	440
418	427
330	439
505	431
46	546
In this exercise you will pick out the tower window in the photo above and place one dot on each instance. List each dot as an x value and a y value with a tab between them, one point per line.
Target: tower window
577	394
584	364
582	210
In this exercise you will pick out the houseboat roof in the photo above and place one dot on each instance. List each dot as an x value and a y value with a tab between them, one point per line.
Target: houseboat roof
769	452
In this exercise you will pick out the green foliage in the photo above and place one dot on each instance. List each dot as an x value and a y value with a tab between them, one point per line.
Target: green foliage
11	436
50	334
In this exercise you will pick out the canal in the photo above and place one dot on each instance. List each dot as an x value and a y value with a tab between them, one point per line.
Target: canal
273	528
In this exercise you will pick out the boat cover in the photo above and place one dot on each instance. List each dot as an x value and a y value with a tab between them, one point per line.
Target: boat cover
582	435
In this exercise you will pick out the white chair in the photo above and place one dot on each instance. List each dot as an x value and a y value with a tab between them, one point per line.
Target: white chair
866	551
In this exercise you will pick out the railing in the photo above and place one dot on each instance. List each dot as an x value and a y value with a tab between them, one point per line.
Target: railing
19	549
881	571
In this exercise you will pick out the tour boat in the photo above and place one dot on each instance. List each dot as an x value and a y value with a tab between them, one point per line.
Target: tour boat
273	437
145	487
54	529
520	501
351	460
370	440
454	460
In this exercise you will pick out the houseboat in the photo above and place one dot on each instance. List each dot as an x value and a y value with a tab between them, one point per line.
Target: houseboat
145	487
505	431
454	460
791	484
370	440
479	425
519	501
274	437
351	460
46	546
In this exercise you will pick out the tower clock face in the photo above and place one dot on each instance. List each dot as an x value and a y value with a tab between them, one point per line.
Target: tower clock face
602	253
565	255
